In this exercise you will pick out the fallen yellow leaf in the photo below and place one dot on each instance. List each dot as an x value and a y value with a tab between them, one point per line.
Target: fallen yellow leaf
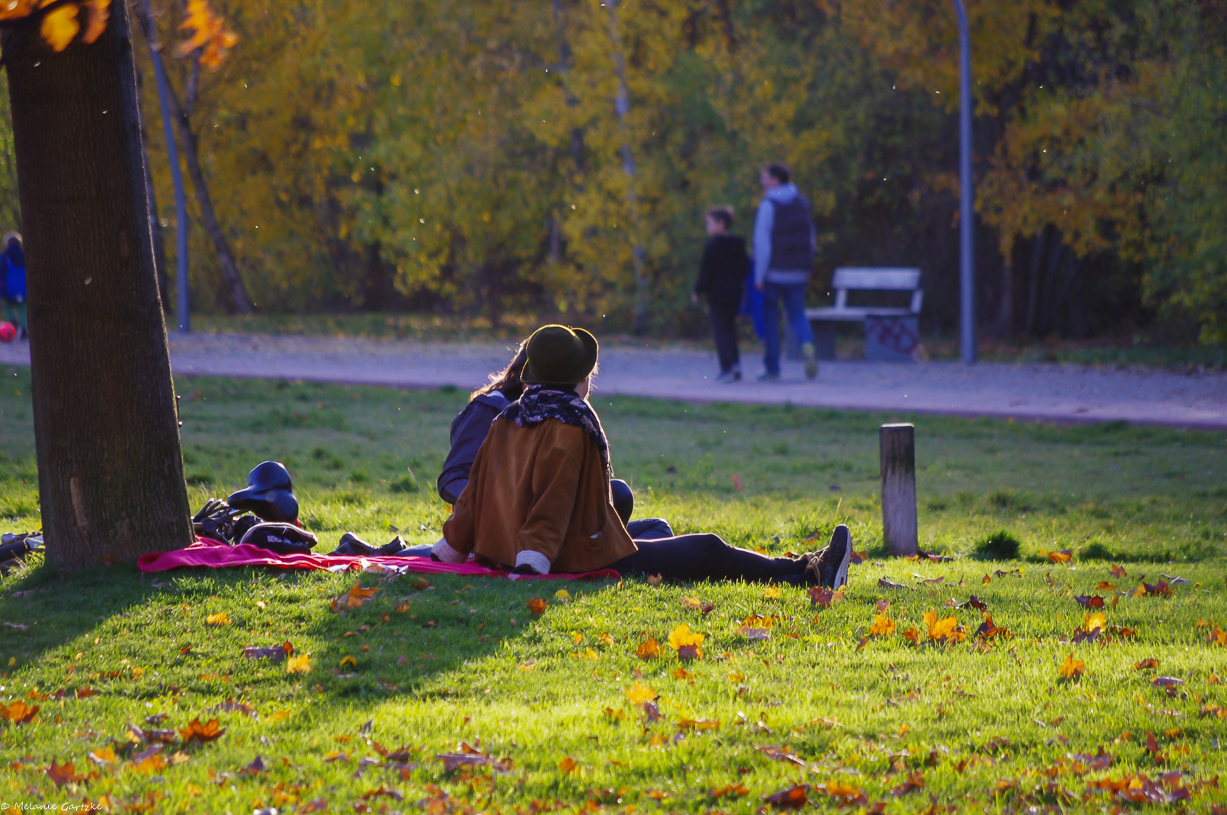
640	693
300	664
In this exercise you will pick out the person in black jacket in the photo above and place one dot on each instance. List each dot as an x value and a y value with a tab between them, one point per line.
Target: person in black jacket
722	277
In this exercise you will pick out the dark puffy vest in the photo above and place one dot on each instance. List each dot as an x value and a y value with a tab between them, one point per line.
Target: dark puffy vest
791	247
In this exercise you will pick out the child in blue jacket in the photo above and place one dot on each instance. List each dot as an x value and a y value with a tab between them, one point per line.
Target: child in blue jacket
15	284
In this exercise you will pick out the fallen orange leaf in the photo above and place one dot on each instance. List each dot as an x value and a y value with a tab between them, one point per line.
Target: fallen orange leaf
195	731
648	649
883	626
537	605
1072	668
62	774
18	712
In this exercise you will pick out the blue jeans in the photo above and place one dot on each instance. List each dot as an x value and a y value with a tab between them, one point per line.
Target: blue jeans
793	295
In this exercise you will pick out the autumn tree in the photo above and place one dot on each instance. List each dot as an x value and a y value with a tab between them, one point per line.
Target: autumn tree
107	440
475	159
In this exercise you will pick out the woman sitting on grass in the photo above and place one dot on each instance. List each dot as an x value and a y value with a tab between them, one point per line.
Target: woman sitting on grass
471	425
538	499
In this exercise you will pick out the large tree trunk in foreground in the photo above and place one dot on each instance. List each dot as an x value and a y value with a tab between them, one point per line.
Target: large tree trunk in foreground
110	472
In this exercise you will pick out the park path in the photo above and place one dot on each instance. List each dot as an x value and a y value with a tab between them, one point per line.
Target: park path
1024	392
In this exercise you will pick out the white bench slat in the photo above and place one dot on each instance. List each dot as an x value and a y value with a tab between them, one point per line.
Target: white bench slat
881	279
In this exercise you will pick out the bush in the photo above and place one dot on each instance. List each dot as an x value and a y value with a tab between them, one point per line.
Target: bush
1000	545
406	483
1097	551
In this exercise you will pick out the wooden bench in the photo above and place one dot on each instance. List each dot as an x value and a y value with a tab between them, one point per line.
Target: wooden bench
891	333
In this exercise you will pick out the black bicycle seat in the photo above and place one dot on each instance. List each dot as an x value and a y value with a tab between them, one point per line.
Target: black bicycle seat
269	494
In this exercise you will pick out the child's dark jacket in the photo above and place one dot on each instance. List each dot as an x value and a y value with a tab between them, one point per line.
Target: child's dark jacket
723	270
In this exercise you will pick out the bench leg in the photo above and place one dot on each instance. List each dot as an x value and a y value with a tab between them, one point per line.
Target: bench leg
824	338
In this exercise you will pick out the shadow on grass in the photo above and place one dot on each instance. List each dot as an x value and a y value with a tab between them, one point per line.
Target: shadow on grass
413	631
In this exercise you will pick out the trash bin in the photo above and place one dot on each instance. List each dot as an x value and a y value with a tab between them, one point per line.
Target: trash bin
891	338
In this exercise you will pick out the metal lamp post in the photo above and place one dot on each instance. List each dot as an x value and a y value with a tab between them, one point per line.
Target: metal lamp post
172	155
967	267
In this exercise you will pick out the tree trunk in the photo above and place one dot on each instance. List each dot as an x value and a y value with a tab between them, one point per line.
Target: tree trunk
110	471
622	106
239	300
1033	281
1005	307
155	227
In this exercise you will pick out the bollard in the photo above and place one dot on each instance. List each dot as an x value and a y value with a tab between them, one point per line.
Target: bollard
897	448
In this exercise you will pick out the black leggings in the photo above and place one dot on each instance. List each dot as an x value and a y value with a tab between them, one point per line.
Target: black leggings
707	557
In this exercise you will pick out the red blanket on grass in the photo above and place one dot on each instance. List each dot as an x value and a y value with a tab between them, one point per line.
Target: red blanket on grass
214	554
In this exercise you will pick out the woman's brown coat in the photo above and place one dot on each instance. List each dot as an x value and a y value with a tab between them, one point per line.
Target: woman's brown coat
541	489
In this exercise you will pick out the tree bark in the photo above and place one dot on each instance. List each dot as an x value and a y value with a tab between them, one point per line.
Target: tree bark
1005	306
622	106
110	470
239	300
155	227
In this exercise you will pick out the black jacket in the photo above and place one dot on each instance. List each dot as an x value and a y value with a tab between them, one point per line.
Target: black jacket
722	273
469	430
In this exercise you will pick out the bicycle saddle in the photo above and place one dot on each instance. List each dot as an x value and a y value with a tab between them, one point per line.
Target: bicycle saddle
269	494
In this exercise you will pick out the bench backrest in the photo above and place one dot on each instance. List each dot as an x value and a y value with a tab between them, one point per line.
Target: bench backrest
876	279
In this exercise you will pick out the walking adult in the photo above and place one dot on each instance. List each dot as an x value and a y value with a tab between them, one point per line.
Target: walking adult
784	246
14	271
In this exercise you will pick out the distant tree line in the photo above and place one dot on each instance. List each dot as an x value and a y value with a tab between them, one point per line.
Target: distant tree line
555	156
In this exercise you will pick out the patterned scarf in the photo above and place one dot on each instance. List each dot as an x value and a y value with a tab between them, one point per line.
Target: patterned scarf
539	403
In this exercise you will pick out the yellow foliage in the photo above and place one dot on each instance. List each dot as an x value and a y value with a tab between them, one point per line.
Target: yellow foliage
209	33
300	664
60	26
97	12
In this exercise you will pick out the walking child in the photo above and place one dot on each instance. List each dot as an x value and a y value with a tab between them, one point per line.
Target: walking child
722	276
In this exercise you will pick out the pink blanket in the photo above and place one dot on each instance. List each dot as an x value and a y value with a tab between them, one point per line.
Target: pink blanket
214	554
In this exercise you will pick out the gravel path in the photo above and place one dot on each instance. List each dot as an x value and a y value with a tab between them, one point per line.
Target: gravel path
1044	392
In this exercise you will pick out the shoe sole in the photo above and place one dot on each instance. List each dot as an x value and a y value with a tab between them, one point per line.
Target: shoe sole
841	574
811	363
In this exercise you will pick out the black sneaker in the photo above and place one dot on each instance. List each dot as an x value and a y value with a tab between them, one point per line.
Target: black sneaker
831	566
769	377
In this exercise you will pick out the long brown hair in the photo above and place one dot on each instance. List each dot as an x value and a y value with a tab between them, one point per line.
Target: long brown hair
507	381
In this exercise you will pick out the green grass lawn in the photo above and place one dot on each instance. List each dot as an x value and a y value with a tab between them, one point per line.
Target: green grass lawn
550	702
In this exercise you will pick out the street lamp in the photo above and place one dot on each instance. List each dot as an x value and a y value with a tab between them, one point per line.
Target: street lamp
967	267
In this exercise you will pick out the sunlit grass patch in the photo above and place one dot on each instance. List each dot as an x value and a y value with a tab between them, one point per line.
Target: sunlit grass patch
366	698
